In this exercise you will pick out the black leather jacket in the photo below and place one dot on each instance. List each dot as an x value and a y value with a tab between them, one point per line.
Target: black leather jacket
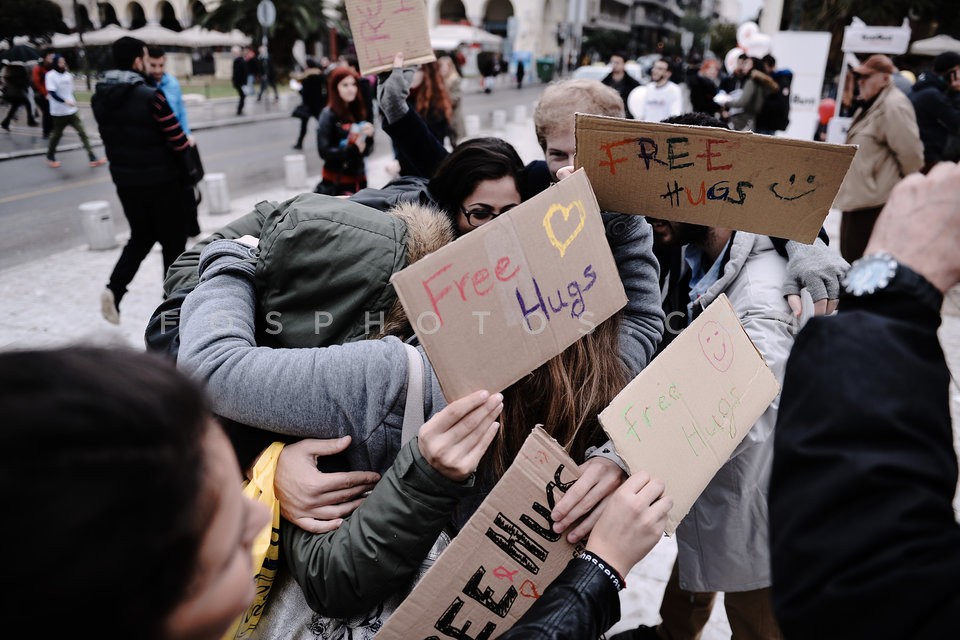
581	603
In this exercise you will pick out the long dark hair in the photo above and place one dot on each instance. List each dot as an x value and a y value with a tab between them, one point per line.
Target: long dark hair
470	163
353	112
104	472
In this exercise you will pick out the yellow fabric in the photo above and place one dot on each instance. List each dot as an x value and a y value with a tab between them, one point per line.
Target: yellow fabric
266	549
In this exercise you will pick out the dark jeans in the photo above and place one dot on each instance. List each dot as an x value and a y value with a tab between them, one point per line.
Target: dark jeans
15	104
155	214
303	131
264	82
241	91
44	106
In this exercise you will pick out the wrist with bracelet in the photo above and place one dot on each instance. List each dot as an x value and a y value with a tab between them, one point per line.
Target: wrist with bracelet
618	581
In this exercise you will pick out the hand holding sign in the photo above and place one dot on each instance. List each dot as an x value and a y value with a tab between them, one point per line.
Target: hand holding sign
684	415
633	522
454	440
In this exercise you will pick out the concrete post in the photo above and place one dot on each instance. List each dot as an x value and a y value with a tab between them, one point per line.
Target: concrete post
520	113
97	222
295	170
471	125
499	119
214	186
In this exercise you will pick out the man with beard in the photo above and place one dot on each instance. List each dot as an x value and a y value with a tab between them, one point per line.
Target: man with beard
145	146
723	541
661	97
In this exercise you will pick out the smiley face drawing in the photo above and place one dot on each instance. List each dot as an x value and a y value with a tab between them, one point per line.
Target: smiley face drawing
717	345
774	188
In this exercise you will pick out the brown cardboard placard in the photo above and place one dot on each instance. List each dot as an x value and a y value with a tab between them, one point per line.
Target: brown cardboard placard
682	417
502	560
381	28
715	177
503	299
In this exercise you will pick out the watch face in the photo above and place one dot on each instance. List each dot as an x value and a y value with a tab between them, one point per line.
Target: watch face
869	274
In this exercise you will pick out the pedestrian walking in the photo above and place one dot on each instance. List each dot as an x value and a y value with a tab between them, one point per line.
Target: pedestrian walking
63	111
520	72
313	95
16	86
156	62
884	126
267	75
146	148
238	77
38	80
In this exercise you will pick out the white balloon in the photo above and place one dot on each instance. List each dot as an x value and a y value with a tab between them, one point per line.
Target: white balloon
759	46
635	100
730	60
746	33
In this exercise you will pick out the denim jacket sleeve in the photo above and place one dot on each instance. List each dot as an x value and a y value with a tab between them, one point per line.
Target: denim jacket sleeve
324	392
378	549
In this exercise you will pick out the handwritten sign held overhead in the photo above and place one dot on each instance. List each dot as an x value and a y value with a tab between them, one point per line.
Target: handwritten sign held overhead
505	298
714	177
683	416
502	560
381	28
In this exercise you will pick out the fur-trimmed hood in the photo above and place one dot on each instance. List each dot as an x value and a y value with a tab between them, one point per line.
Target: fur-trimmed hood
323	273
768	83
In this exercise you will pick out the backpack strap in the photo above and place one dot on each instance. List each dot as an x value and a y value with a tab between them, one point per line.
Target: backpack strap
413	410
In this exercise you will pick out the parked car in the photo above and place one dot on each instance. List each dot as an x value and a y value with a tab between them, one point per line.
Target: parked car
600	71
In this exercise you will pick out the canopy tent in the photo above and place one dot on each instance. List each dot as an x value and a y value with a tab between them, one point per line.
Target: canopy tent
935	46
448	37
197	36
156	35
106	36
64	40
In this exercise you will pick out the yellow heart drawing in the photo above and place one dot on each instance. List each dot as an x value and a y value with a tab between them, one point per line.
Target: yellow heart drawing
562	246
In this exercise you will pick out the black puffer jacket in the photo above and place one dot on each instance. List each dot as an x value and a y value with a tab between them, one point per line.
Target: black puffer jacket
937	117
136	146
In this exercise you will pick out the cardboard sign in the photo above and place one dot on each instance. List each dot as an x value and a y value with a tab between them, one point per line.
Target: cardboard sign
503	299
682	416
715	177
502	560
381	28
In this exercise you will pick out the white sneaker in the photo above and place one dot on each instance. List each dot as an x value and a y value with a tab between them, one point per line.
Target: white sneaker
108	308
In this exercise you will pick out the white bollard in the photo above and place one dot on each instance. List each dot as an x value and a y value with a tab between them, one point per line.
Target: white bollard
97	222
215	192
520	113
499	119
471	124
295	170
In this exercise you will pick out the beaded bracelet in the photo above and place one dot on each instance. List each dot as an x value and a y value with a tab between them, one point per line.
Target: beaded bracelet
610	572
